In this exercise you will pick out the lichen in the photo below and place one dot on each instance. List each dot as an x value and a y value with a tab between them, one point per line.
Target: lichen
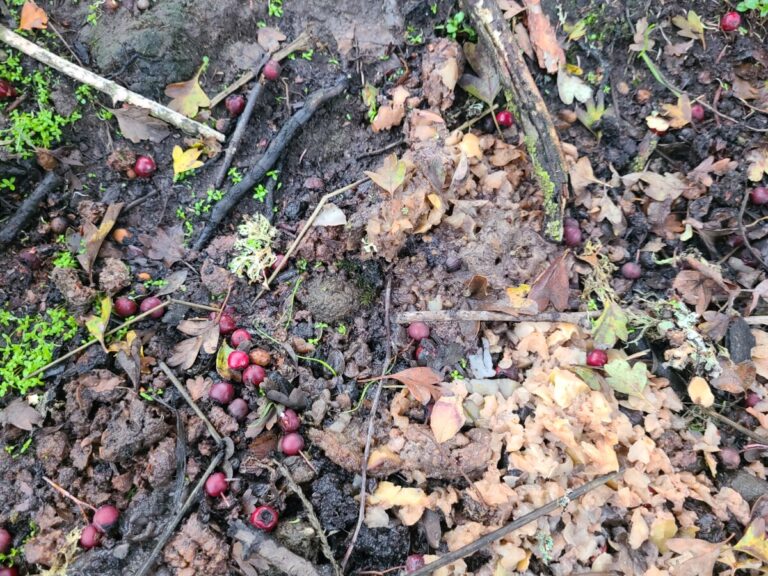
554	228
253	249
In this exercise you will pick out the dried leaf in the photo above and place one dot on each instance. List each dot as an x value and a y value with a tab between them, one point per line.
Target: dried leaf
571	88
758	164
611	326
330	215
548	51
658	187
470	145
205	336
173	283
129	355
447	418
94	237
625	378
269	38
551	286
485	85
678	50
700	393
697	557
136	124
97	325
679	114
642	41
390	114
754	541
32	17
21	415
185	160
221	361
690	26
701	173
581	175
166	246
694	288
391	175
187	97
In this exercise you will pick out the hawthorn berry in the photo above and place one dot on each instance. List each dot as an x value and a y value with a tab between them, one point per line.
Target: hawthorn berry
697	112
152	302
418	331
9	571
414	562
125	307
254	375
426	352
505	118
239	336
759	195
235	104
572	236
216	484
238	360
238	409
291	444
752	399
227	324
7	91
272	70
105	517
222	392
259	356
730	21
90	537
144	167
597	358
264	518
6	540
289	421
631	270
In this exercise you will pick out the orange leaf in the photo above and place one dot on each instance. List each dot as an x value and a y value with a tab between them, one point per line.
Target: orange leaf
32	17
421	382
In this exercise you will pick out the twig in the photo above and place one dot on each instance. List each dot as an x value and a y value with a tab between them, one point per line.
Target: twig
242	123
756	320
305	228
308	508
736	426
743	232
29	207
486	316
371	424
265	163
472	121
491	537
66	44
184	394
115	91
386	148
82	504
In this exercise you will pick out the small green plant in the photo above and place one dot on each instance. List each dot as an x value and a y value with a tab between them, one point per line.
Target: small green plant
275	8
414	37
433	8
150	284
260	192
455	25
761	6
253	249
235	175
308	54
84	94
8	183
149	393
31	130
342	329
14	451
28	343
302	264
94	12
64	259
105	114
456	375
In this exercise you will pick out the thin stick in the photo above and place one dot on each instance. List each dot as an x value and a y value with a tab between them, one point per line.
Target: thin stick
309	509
184	394
756	320
386	148
491	537
115	91
29	207
242	123
736	426
472	121
743	232
486	316
371	424
69	495
300	237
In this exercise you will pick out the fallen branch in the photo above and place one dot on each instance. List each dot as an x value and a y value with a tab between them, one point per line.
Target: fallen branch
759	438
115	91
265	163
262	545
524	99
28	208
486	316
491	537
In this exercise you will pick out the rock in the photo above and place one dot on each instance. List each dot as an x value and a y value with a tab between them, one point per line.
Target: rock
300	538
739	340
114	276
330	298
750	487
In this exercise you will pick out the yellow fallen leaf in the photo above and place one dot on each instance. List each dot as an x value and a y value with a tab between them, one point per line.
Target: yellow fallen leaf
389	494
567	386
470	145
185	160
662	529
447	418
699	391
754	541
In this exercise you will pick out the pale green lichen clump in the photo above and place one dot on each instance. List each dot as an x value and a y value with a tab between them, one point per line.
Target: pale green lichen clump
253	250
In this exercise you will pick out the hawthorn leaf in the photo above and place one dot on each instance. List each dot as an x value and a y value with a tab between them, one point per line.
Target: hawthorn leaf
390	114
94	237
447	418
571	87
205	336
695	288
625	378
136	124
551	286
758	164
129	354
173	283
391	175
97	325
690	26
484	84
32	17
167	246
610	327
678	115
187	97
754	541
421	382
697	557
185	160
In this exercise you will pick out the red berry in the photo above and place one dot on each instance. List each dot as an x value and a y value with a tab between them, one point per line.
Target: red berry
238	409
752	399
264	518
7	91
414	562
144	166
631	271
418	331
697	112
597	358
152	302
235	104
426	352
272	70
239	336
125	307
238	360
222	392
572	236
730	21
730	457
90	537
254	374
291	444
735	241
105	517
279	262
216	484
6	540
759	195
227	324
505	118
9	571
289	421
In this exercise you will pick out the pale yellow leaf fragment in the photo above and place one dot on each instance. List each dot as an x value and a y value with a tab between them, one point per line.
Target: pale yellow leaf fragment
700	393
567	386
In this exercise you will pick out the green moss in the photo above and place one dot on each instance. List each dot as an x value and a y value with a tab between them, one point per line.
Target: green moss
551	206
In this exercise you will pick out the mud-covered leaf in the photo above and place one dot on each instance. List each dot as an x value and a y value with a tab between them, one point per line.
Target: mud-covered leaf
93	237
167	246
754	541
625	378
549	53
447	418
758	164
611	326
571	87
187	97
136	124
700	393
21	415
269	38
390	175
173	283
484	84
552	285
205	336
185	160
32	17
97	325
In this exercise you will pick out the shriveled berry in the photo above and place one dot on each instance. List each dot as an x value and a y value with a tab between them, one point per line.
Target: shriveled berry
418	331
259	356
152	302
105	517
144	167
730	21
7	91
414	562
426	352
272	70
239	336
291	444
289	421
216	484
125	307
597	358
222	392
6	541
90	537
9	571
254	375
759	195
235	104
505	118
238	409
631	270
238	360
31	258
264	518
697	112
730	457
752	399
572	236
227	324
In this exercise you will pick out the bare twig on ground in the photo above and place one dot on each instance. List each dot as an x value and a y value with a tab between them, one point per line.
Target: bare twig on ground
28	208
184	394
756	320
115	91
735	425
81	504
472	121
372	423
257	543
491	537
486	316
265	163
386	148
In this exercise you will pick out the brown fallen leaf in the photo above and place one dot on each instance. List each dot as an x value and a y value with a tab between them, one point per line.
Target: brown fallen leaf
167	246
549	53
21	415
93	237
205	336
758	164
690	26
269	39
391	175
421	382
32	17
484	84
678	115
136	124
391	114
187	97
695	288
129	355
696	557
551	286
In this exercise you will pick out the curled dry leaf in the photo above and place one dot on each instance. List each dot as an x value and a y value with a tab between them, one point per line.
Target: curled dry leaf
447	418
136	124
32	17
330	215
551	286
97	325
94	237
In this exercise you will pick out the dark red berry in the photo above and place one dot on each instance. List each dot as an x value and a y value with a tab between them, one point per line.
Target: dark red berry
9	571
418	331
227	324
238	409
759	195
414	562
426	352
238	360
631	270
222	392
752	399
272	70
597	358
289	421
572	236
264	518
105	517
216	484
125	307
730	21
730	457
6	541
144	166
90	537
291	444
505	118
254	375
735	241
697	112
152	302
7	91
235	104
570	223
239	336
279	262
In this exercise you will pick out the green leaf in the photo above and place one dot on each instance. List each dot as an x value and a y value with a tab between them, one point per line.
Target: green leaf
591	377
97	325
627	379
221	360
610	327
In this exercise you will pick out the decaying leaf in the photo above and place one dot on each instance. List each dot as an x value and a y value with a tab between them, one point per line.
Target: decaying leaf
391	175
440	69
129	355
582	175
330	215
390	114
642	41
447	418
702	173
657	186
690	26
700	393
32	17
204	335
167	246
625	378
185	160
94	237
97	325
421	382
221	361
187	97
413	501
754	541
551	286
136	124
484	84
758	164
173	283
611	326
548	51
678	115
21	415
571	87
696	557
269	38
